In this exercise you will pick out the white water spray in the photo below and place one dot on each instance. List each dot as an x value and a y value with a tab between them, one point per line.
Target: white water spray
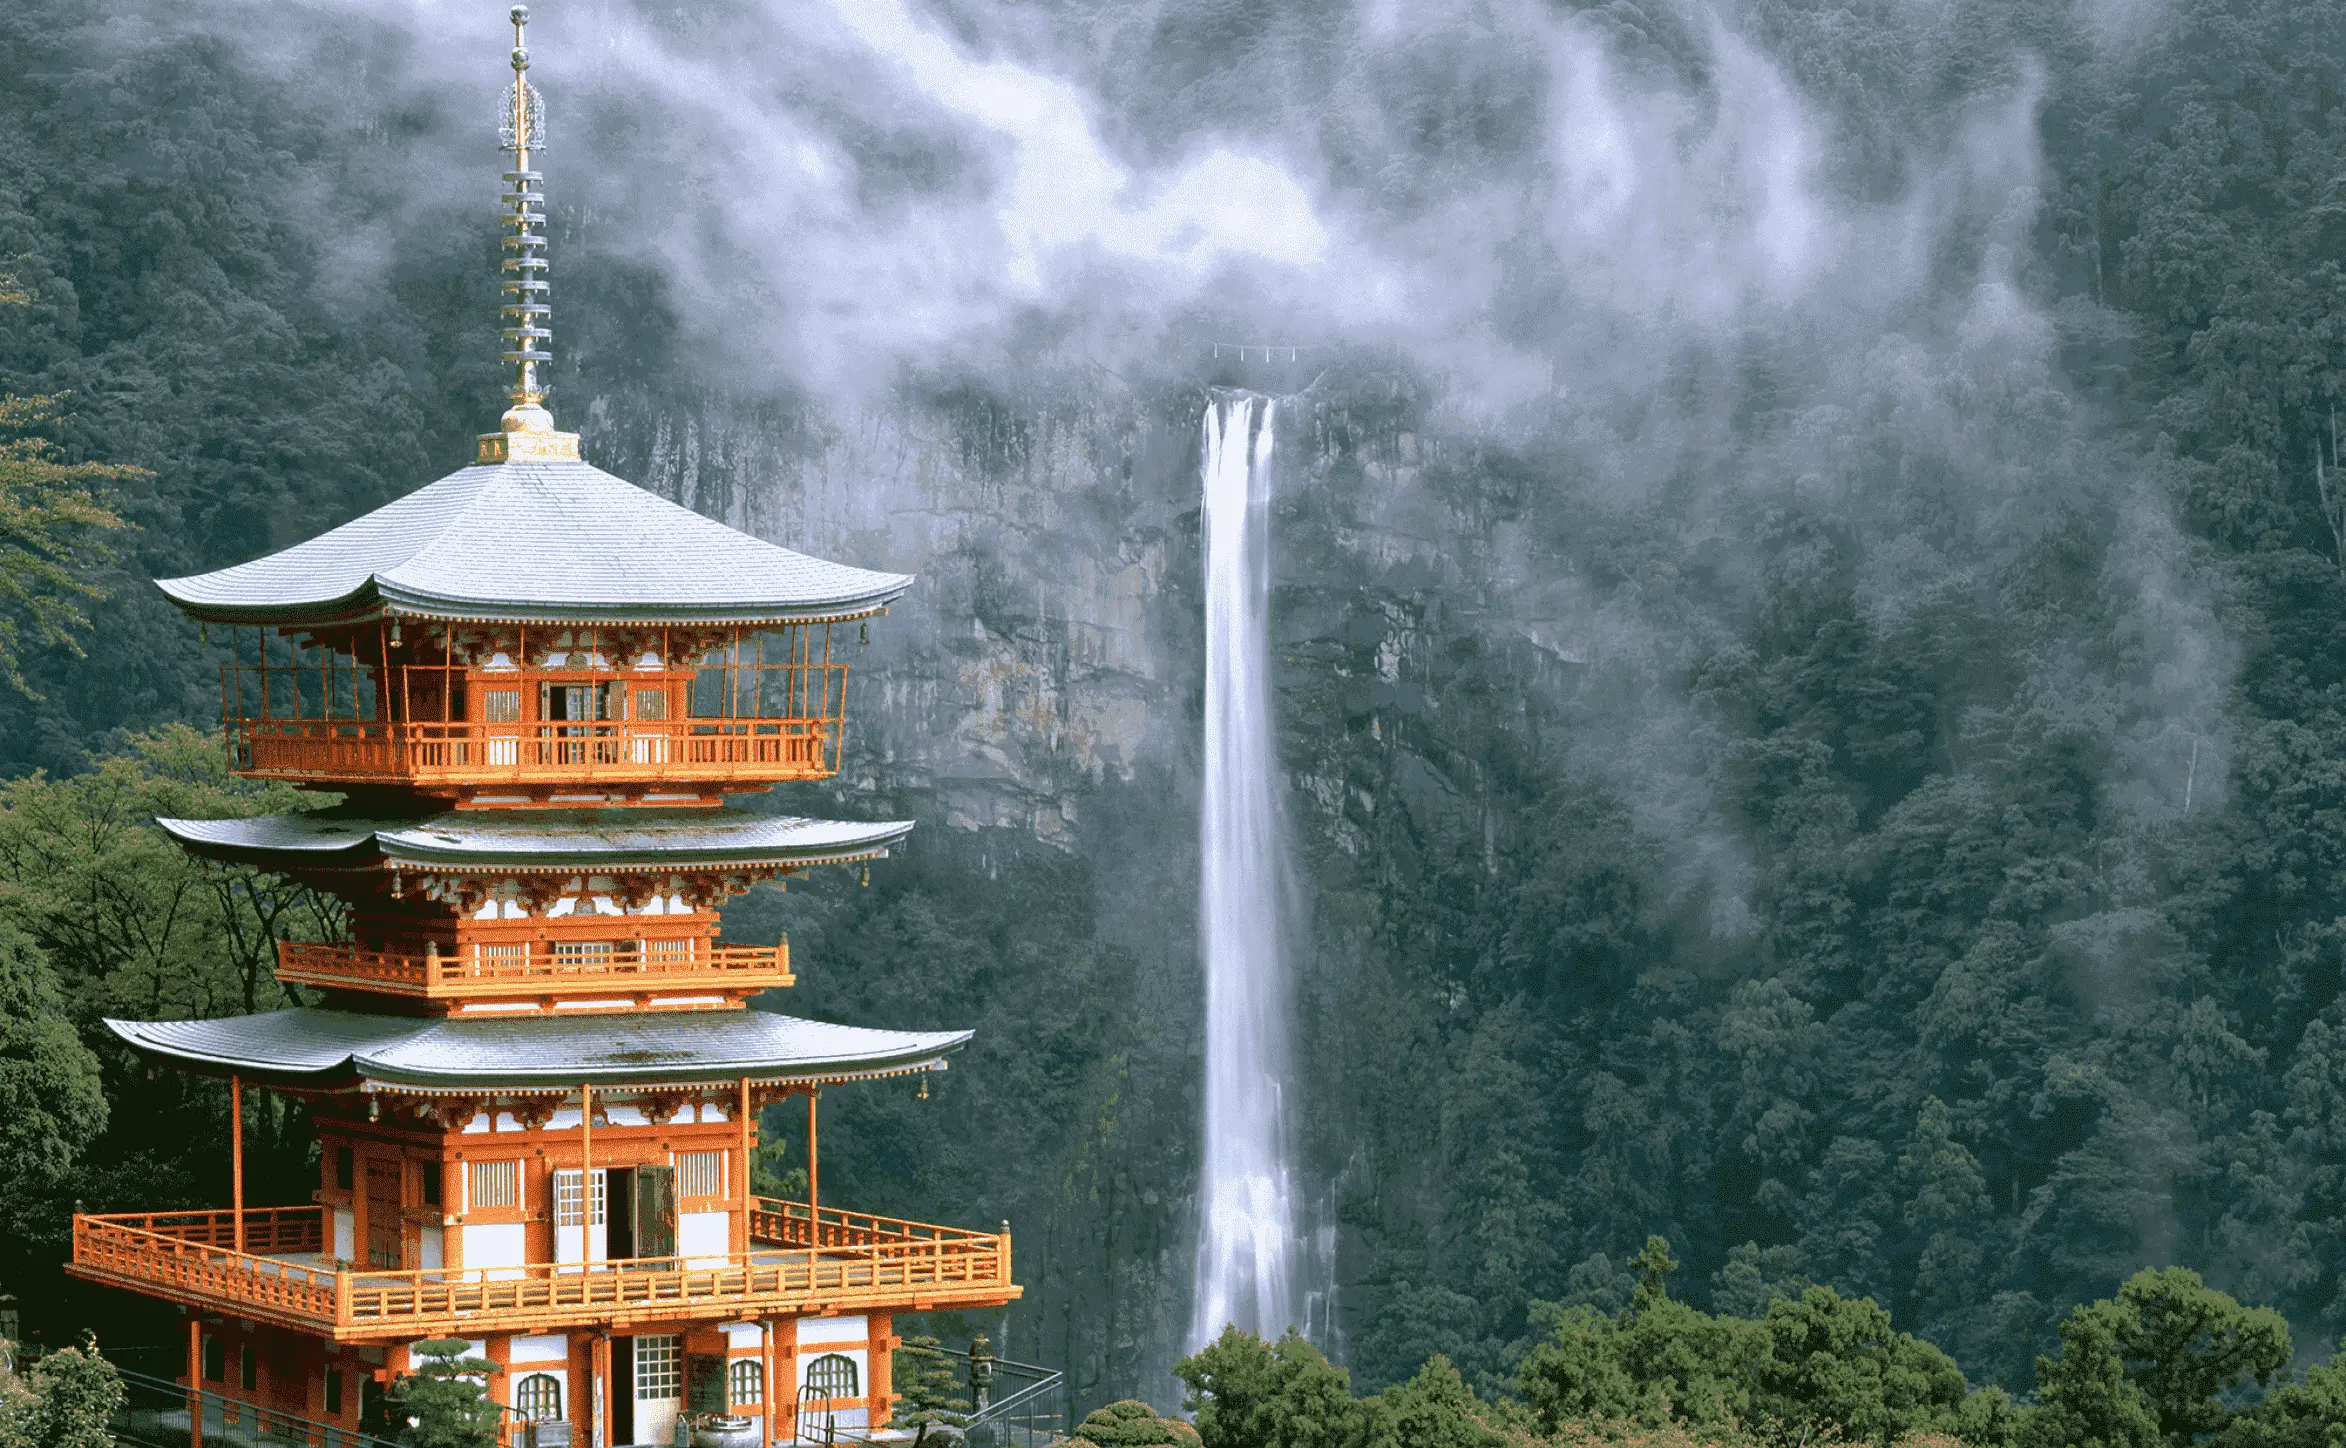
1245	1260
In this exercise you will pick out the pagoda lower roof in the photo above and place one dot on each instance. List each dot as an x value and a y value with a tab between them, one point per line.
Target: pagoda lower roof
534	542
309	1046
529	840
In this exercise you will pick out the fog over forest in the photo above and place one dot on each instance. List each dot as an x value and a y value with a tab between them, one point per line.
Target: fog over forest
1809	596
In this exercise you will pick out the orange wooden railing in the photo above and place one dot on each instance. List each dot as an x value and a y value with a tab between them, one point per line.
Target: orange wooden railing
799	1226
641	749
547	1294
191	1256
179	1255
460	973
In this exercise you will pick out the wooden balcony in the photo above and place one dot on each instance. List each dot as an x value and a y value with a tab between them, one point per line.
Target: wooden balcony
699	966
816	1261
477	756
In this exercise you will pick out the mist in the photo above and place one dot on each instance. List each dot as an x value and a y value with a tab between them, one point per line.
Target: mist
1800	614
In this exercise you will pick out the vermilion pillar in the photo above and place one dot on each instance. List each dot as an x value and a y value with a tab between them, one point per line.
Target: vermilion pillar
195	1382
236	1154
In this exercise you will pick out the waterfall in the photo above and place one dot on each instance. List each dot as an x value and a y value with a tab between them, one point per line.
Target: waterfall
1246	1239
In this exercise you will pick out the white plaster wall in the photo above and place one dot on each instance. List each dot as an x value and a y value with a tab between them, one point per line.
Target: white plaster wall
703	1238
494	1245
833	1329
431	1248
551	1347
345	1236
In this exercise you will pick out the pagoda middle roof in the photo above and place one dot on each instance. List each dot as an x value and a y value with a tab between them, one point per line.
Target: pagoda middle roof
327	1049
534	542
608	839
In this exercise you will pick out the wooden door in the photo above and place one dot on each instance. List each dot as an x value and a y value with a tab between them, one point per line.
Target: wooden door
384	1200
655	1211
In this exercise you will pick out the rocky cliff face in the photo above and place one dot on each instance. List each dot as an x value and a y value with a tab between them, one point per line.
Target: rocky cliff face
1034	702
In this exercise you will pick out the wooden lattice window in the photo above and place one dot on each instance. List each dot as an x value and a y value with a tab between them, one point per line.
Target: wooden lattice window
659	1368
538	1397
582	952
745	1383
651	703
571	1200
700	1173
501	706
832	1375
496	1184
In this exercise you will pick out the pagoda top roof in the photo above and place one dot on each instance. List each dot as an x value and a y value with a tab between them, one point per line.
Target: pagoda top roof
614	839
539	541
330	1049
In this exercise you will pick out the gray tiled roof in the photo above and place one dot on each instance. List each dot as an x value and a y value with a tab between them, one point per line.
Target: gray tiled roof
534	542
309	1045
540	839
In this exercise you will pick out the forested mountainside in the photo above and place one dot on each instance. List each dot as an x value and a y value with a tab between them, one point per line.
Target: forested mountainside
1847	773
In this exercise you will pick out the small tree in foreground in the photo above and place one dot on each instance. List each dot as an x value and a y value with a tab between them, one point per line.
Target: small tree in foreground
444	1403
66	1400
1133	1424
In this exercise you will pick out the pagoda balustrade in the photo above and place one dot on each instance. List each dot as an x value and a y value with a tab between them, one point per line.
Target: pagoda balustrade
815	1260
757	751
472	971
626	707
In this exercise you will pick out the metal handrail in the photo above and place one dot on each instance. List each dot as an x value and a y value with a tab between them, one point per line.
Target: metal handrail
1000	1407
1003	1414
178	1395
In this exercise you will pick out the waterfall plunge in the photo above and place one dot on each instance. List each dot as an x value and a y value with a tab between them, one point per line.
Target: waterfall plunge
1246	1246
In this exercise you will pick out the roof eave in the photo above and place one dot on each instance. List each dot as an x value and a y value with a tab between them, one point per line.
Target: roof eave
927	1057
415	603
282	856
375	600
362	604
205	1063
401	852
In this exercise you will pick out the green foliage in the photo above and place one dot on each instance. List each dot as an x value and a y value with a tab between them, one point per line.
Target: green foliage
1813	1361
2309	1413
135	926
1435	1409
924	1385
1246	1393
2157	1365
102	915
1243	1392
1135	1423
444	1402
65	1401
52	1101
53	526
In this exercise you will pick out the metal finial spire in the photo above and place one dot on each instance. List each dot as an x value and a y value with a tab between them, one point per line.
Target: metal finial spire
525	310
528	429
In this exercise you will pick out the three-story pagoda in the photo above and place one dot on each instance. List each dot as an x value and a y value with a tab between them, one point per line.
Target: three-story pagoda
535	1083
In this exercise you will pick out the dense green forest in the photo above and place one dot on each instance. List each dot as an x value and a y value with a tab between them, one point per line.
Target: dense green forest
1850	776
